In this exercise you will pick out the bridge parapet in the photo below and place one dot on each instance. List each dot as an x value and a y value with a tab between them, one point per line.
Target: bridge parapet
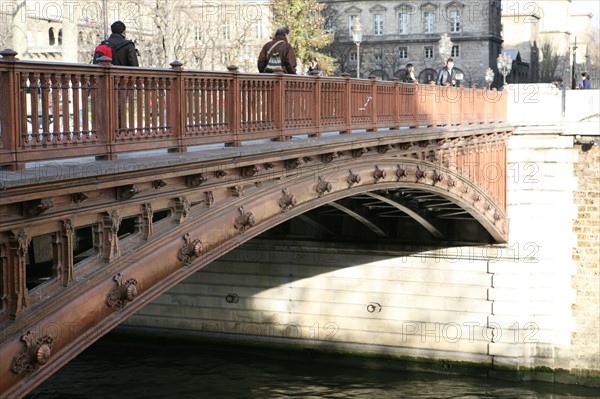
58	111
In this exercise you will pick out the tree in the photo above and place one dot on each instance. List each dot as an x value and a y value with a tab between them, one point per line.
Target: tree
306	23
549	63
204	35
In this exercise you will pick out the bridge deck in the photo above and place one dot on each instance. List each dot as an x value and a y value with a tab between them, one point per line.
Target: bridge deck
88	167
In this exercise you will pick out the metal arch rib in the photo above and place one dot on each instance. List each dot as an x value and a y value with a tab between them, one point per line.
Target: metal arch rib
359	218
315	225
418	218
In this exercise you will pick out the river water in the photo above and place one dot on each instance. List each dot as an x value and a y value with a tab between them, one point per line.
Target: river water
125	369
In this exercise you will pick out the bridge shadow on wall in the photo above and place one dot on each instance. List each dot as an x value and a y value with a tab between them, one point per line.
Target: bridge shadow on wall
333	266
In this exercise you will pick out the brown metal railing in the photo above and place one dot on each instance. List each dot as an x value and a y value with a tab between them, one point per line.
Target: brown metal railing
55	111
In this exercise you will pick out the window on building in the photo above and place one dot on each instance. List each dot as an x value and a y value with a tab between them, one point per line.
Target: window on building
378	57
351	22
257	31
197	34
329	25
403	23
51	38
60	37
225	33
455	51
378	24
429	22
403	52
455	21
428	51
353	56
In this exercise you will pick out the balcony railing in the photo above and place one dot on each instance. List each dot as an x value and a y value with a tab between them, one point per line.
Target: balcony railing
52	111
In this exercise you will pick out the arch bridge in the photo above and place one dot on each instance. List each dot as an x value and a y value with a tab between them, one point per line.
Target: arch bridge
117	183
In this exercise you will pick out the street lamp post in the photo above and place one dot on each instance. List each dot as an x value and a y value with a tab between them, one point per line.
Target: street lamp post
573	81
105	17
357	31
445	47
489	77
504	62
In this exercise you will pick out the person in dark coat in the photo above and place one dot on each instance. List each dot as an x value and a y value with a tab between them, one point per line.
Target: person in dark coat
285	50
409	74
314	67
126	55
446	75
585	81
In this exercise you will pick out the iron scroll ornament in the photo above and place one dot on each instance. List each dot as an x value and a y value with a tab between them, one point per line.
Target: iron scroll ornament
36	353
123	293
190	250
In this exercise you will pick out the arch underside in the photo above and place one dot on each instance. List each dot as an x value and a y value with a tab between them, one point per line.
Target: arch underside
393	210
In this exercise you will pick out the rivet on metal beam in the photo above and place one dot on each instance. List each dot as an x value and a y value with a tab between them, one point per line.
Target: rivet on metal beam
237	191
244	221
293	163
196	180
37	207
437	177
249	171
378	174
331	156
126	192
382	149
191	249
36	353
323	187
359	152
78	198
158	184
400	172
374	307
287	201
352	178
121	294
232	298
220	173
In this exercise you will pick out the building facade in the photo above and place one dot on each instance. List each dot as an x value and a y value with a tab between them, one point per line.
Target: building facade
202	35
554	38
397	33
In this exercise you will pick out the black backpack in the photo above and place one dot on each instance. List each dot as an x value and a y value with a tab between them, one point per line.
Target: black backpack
107	49
273	59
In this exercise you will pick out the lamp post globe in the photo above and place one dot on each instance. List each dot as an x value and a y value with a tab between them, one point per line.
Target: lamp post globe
504	63
445	46
357	31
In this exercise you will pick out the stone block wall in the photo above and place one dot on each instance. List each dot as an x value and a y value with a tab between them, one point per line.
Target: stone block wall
586	254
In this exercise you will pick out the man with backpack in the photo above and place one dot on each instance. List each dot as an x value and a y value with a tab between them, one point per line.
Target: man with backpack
121	50
277	53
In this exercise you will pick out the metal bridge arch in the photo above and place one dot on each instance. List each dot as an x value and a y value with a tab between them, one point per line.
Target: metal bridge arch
86	310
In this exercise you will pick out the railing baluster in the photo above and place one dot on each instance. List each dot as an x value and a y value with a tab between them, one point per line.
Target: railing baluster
232	99
174	109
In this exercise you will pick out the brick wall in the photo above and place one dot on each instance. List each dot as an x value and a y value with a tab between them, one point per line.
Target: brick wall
586	282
